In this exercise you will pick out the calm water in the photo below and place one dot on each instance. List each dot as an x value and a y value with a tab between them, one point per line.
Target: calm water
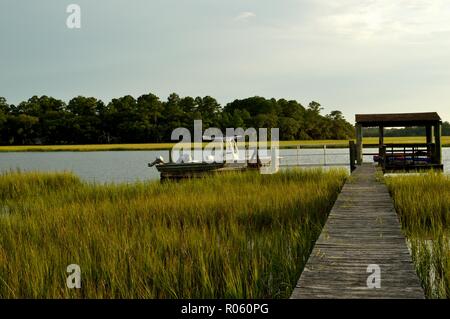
130	166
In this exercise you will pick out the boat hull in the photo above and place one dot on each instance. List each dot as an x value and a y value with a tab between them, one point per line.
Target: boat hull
194	170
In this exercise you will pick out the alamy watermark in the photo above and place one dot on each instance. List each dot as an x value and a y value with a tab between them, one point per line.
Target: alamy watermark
237	145
74	19
374	279
74	278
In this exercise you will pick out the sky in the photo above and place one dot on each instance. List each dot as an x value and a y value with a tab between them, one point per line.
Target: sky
357	56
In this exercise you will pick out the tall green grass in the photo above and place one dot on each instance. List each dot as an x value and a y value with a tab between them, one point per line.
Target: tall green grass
232	236
423	204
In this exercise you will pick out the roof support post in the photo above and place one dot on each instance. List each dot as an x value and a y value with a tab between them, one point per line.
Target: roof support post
437	138
359	136
430	147
380	138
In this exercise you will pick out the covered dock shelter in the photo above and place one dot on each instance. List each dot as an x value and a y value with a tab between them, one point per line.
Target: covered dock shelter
406	156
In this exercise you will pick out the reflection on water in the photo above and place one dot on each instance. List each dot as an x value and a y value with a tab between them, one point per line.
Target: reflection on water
130	166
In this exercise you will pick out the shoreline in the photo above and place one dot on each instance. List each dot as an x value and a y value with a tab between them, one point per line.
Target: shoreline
370	142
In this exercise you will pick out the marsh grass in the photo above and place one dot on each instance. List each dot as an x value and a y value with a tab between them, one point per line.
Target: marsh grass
423	205
232	236
167	146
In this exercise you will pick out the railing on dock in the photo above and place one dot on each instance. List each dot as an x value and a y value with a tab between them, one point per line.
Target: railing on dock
408	156
321	157
400	156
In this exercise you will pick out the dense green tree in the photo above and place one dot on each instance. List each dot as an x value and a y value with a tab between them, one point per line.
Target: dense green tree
83	119
4	107
189	109
86	120
255	105
240	118
52	116
21	129
289	128
291	109
315	126
150	110
123	121
446	128
338	127
209	110
4	112
173	115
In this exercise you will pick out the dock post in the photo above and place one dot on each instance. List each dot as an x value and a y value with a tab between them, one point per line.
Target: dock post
380	139
437	141
429	139
359	156
382	157
351	146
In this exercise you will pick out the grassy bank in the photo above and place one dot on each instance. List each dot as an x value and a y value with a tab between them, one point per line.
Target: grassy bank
234	236
423	205
166	146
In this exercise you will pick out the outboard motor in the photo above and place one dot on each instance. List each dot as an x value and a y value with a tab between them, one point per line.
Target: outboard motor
157	161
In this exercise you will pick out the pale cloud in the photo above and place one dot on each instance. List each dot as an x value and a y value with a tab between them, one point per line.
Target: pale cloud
407	21
245	16
401	19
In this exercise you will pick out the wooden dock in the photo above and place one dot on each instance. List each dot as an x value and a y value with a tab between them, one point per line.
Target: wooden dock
362	230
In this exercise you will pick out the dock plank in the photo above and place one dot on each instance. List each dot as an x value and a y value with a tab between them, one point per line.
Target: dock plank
362	229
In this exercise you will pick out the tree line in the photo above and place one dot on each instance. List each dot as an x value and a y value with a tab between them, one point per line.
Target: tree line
406	131
147	119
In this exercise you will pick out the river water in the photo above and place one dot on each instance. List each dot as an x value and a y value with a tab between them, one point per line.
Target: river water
131	166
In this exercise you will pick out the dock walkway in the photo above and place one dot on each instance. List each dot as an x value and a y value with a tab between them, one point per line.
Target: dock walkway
362	230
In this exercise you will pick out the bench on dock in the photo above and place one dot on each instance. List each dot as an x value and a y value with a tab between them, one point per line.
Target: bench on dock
402	157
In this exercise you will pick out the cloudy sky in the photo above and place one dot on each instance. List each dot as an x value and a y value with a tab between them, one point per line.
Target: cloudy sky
358	56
